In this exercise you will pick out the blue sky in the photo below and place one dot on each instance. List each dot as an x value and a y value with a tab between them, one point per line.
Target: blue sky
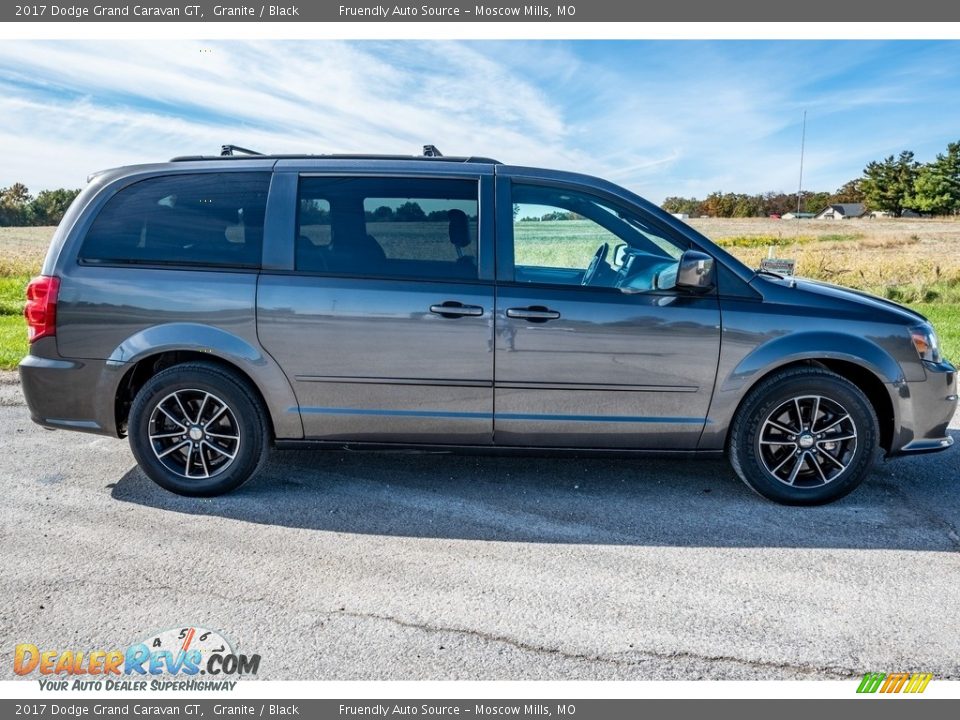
660	117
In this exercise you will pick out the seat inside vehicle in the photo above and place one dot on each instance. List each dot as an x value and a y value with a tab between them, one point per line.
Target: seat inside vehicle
384	242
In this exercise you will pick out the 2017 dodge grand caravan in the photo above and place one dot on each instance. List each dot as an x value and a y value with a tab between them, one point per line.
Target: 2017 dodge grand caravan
210	307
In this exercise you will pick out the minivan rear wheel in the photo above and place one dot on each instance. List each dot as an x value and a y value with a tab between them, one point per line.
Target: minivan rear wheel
197	429
804	436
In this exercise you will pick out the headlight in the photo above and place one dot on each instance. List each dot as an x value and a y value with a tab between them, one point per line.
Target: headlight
926	343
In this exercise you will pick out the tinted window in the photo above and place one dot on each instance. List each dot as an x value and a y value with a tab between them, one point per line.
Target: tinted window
565	237
388	227
207	219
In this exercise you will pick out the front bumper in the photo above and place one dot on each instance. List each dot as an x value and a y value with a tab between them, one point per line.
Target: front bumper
924	411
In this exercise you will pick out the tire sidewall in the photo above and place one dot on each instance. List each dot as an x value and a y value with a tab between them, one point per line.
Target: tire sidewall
249	422
745	443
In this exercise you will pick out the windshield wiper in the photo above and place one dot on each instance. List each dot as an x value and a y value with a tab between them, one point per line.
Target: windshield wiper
771	274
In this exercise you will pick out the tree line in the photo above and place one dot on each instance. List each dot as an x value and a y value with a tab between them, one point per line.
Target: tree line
894	185
317	212
19	207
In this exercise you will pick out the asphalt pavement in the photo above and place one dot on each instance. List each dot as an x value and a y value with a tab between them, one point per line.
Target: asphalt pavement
335	565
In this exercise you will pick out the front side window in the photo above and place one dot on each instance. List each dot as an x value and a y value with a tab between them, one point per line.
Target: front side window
388	227
209	219
566	237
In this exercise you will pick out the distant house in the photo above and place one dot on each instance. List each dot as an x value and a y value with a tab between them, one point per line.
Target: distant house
796	216
681	216
841	211
905	213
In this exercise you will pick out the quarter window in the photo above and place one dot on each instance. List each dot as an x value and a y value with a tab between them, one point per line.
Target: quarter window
388	227
210	219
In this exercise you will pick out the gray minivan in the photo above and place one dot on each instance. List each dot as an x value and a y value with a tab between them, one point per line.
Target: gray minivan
211	307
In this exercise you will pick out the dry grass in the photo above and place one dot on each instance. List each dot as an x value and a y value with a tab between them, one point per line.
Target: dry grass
908	260
21	254
22	249
932	229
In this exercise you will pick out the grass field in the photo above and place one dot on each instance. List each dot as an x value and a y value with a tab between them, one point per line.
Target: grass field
916	262
910	261
21	253
946	319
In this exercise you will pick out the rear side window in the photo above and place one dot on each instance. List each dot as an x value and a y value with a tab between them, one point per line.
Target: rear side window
205	219
388	227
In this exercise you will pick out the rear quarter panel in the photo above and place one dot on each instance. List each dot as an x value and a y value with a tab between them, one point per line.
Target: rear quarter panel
124	314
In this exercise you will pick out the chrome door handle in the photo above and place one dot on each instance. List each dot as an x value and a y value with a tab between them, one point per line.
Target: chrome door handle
452	309
533	314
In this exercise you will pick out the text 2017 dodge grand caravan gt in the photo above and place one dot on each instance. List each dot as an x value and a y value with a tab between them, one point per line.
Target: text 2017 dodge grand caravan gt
209	308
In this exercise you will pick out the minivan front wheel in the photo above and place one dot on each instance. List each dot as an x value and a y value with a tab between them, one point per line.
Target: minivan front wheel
805	436
197	429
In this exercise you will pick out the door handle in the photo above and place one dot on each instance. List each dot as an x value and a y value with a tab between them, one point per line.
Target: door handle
534	313
453	309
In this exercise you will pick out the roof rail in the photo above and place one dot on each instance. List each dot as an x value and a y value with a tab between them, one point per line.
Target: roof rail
294	156
430	152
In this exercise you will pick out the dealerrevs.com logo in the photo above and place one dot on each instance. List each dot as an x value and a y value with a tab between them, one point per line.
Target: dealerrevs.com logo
886	683
186	658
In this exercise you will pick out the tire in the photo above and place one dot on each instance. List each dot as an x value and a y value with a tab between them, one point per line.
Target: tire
804	436
199	459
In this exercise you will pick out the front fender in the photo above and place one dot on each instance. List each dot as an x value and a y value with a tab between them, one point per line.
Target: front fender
780	351
219	344
813	345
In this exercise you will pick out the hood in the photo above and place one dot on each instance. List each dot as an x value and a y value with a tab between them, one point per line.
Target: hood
828	294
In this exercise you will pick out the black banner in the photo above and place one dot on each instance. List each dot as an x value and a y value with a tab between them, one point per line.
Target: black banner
496	11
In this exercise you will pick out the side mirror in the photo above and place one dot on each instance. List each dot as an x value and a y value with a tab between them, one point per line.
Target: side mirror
696	272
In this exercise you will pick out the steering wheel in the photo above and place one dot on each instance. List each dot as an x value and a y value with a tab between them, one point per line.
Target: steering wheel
598	257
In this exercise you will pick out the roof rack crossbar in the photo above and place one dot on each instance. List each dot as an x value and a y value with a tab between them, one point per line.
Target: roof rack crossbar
229	150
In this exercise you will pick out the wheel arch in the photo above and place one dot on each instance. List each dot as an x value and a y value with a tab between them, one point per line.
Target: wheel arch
143	355
816	346
860	375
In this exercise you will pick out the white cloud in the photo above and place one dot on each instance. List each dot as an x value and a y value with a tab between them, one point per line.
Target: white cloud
123	102
660	118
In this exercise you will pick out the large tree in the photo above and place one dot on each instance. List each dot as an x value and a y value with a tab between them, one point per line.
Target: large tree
14	203
814	201
719	204
410	211
778	203
49	206
689	206
888	184
850	192
937	186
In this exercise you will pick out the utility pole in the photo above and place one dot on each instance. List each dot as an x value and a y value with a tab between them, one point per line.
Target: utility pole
803	142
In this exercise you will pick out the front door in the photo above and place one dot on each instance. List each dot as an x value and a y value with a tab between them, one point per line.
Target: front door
384	325
594	345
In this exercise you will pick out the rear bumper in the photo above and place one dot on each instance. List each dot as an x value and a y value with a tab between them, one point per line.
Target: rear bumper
924	411
69	394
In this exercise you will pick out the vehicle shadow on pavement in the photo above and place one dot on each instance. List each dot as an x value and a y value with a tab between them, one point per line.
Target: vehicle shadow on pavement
905	504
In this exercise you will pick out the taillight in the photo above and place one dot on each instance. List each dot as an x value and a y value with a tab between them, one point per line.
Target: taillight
41	308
